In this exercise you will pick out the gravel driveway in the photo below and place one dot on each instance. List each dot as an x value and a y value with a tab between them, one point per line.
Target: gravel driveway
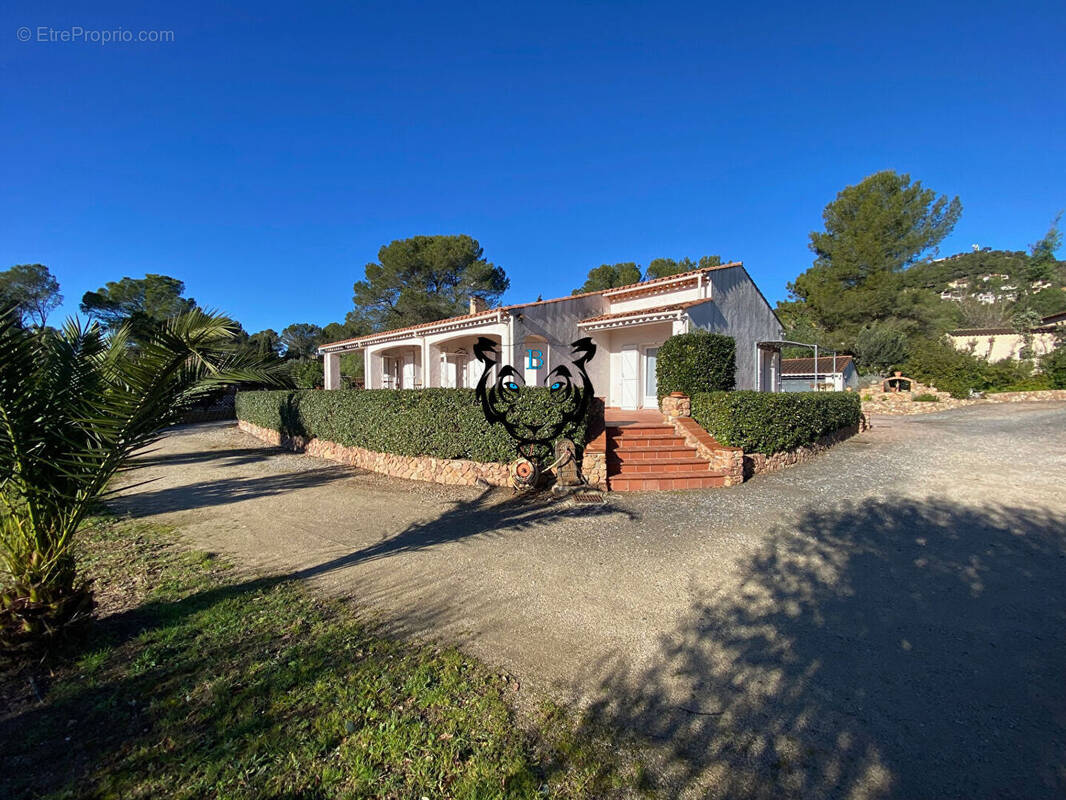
886	621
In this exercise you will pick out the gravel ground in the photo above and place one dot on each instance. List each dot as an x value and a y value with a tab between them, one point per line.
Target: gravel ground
885	621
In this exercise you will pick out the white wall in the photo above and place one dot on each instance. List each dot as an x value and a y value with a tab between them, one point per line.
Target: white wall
642	336
664	298
997	347
738	310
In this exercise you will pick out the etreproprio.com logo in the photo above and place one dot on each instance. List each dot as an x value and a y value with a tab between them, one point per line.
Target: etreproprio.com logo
77	34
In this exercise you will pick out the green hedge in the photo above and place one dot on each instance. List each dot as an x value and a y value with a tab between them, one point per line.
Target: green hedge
761	422
696	362
445	423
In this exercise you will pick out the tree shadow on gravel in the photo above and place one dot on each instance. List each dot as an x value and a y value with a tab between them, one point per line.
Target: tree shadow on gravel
220	492
897	648
486	514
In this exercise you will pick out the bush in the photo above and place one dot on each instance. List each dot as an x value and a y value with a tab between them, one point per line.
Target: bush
444	423
926	398
306	373
761	422
1008	372
1054	367
937	363
1036	383
879	346
696	362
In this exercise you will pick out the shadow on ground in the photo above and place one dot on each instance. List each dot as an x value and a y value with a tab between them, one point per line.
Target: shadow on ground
220	492
486	514
897	648
102	721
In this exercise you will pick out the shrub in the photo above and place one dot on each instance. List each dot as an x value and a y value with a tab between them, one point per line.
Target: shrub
937	363
1036	383
696	362
926	398
1054	367
444	423
761	422
879	346
1008	372
306	373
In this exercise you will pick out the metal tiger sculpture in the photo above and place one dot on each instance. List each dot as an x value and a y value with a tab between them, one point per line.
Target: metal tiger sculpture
530	426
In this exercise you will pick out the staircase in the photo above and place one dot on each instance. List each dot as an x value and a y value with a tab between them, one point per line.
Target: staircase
645	456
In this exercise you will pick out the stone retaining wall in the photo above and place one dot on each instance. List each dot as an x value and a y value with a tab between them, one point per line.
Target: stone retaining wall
729	460
903	403
453	471
1026	397
759	463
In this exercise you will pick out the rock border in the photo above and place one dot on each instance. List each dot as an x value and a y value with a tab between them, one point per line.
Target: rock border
447	471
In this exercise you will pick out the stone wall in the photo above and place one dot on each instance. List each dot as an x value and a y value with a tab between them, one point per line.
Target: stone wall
898	403
1026	397
759	463
456	472
729	460
874	401
594	457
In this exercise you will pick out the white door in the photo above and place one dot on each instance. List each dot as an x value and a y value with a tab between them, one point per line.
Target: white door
447	371
460	371
651	392
630	376
408	373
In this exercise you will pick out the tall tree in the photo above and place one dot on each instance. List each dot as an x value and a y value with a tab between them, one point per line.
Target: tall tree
609	276
300	339
1042	264
426	278
874	230
665	267
142	302
33	291
266	343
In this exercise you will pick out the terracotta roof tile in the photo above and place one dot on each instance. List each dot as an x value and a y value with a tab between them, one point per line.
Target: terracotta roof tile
636	312
996	331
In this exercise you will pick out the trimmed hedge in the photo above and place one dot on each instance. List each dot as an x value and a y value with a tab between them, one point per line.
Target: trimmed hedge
696	362
444	423
762	422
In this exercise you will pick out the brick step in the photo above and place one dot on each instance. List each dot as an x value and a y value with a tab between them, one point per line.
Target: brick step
650	451
636	442
658	465
658	481
642	429
651	455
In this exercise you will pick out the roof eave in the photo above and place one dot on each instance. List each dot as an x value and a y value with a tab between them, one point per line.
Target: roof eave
493	316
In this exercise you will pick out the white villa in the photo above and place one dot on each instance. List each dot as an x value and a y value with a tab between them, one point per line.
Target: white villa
628	324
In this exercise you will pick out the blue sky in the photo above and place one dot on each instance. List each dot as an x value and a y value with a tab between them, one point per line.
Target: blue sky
266	154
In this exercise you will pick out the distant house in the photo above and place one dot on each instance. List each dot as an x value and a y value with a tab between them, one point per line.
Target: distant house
627	323
834	374
996	344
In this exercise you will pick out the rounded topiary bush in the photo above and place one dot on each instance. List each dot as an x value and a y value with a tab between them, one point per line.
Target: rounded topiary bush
696	362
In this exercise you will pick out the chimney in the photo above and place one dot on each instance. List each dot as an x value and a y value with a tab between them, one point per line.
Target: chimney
478	304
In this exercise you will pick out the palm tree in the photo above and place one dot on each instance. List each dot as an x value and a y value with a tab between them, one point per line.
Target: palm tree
75	404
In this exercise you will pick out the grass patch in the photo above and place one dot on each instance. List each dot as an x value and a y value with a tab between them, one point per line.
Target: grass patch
926	398
197	682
